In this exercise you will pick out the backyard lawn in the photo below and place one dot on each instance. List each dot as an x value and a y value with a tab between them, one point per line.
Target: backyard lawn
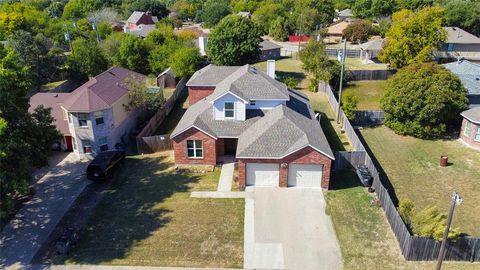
148	218
412	166
368	93
171	121
365	238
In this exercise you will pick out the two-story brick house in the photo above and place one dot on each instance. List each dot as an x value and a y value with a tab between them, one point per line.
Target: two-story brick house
269	129
93	118
470	131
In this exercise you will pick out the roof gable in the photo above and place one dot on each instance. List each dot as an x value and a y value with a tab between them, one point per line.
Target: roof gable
460	36
473	115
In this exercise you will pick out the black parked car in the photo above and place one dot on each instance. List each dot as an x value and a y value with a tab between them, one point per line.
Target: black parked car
103	164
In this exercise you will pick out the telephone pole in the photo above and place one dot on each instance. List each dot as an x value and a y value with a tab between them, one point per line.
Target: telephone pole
68	37
456	200
341	81
300	34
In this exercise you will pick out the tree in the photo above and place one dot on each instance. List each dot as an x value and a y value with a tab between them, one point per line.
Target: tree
464	14
87	58
187	8
384	26
358	31
266	14
36	53
133	54
316	62
413	36
244	5
140	97
156	7
24	138
310	13
279	29
160	57
422	100
373	8
414	4
349	105
213	11
185	61
234	41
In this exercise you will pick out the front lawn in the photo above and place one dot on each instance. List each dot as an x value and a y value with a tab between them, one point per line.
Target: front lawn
363	232
148	218
412	166
368	93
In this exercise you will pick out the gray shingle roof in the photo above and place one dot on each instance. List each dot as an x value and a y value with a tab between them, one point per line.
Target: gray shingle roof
142	30
469	74
280	132
268	45
135	16
372	45
211	75
246	82
472	115
458	35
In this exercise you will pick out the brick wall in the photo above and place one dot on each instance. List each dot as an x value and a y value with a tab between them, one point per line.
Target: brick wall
220	147
180	148
304	156
197	93
469	139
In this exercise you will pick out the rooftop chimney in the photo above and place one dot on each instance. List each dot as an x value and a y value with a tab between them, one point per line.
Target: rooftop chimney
271	68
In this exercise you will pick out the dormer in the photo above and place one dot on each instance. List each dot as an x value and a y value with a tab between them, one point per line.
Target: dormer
229	107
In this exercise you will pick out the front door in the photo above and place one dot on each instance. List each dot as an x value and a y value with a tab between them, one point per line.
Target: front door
68	143
230	146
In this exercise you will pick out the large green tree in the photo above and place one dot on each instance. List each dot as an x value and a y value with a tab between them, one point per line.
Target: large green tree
373	8
267	13
213	11
308	14
317	63
185	61
133	54
87	59
359	31
234	41
413	36
422	100
25	138
279	29
464	14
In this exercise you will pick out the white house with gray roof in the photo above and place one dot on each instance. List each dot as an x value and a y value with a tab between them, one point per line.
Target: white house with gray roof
459	44
269	129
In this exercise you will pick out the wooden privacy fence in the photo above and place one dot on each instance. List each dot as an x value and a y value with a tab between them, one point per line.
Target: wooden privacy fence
347	159
146	142
414	248
369	118
369	75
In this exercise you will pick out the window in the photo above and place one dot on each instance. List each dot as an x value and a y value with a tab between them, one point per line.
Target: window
98	117
252	102
229	110
450	47
477	134
87	146
103	142
194	149
82	119
468	129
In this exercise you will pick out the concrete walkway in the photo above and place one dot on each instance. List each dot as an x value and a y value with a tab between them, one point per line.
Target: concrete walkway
226	177
56	190
287	228
107	267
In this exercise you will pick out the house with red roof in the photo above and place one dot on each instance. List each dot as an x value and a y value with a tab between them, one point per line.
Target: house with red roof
93	118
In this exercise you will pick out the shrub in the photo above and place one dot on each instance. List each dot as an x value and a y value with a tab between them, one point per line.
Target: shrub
358	31
349	105
291	82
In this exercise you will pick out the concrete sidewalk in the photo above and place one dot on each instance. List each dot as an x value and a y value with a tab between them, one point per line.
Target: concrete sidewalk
21	239
107	267
226	177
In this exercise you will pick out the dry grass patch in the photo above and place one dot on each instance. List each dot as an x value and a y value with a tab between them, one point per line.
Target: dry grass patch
368	93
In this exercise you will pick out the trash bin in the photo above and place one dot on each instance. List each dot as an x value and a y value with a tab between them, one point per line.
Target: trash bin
443	161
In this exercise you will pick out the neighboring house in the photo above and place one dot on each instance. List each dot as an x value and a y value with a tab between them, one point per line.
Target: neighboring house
344	15
269	50
138	18
167	79
470	131
269	129
335	32
93	117
469	74
370	49
141	31
459	44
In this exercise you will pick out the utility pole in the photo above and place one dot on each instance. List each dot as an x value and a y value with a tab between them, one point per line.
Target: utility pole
300	34
341	80
456	200
94	27
68	37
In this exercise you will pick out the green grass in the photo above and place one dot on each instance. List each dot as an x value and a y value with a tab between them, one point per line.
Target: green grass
287	67
412	166
365	238
368	93
168	92
171	121
148	218
50	86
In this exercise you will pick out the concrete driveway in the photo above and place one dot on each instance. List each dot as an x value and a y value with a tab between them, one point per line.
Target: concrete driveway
287	228
56	189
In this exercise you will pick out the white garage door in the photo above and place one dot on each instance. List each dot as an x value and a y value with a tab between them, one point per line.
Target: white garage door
263	174
304	175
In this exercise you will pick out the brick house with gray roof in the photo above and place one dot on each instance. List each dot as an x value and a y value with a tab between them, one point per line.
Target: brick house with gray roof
270	129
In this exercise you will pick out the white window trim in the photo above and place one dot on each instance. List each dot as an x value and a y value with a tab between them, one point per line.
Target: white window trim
86	120
468	126
477	133
225	110
195	148
96	117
